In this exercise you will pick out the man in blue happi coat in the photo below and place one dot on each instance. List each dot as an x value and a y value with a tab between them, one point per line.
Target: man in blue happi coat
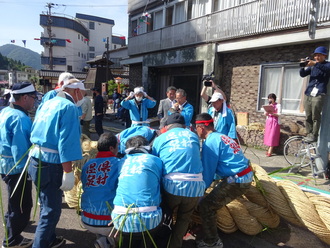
56	139
15	129
182	180
222	158
138	103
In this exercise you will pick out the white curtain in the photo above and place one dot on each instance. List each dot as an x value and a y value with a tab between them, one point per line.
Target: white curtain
272	82
179	13
292	89
198	8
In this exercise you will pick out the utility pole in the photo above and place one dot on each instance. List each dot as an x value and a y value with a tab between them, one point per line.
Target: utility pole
49	31
107	72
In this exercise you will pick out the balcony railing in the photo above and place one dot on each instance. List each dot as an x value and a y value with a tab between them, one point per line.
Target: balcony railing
249	19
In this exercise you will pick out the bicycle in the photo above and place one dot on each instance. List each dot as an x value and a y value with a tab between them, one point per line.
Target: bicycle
300	154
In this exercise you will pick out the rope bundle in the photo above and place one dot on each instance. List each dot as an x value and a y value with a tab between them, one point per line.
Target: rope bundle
268	200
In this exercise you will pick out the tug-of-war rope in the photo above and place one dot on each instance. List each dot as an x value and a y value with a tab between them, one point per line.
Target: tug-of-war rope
261	207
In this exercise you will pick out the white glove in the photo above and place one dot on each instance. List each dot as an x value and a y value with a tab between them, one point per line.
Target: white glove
131	94
67	181
145	94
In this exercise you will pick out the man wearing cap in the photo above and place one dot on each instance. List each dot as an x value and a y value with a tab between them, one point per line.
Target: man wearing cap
182	107
222	158
138	103
98	110
183	183
319	71
224	121
15	129
56	143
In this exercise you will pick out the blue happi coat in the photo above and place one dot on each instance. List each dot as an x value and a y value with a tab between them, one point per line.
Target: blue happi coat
223	157
56	129
178	148
138	187
15	129
99	178
136	113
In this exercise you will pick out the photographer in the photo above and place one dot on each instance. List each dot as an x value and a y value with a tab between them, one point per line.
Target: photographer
319	71
224	121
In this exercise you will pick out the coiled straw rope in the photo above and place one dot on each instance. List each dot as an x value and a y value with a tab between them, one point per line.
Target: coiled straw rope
262	206
268	200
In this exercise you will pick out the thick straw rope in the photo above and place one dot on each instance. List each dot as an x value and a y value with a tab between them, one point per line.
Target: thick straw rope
266	200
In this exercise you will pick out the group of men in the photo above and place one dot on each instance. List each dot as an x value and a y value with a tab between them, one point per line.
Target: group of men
161	176
163	171
43	151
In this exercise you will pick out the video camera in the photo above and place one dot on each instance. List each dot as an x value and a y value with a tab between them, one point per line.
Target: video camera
304	62
207	79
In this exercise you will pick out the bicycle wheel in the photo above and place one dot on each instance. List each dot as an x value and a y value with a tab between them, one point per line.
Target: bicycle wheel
295	152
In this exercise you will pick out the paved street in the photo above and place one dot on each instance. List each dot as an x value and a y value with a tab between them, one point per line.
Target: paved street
286	235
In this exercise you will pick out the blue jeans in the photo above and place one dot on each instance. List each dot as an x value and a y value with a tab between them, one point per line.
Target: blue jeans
50	199
17	217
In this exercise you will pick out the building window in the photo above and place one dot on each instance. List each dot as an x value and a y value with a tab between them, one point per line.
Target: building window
169	16
69	68
179	12
78	36
197	8
158	20
92	55
114	46
78	54
92	49
92	25
285	82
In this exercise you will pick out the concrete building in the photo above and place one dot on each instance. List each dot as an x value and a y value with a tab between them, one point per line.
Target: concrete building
70	42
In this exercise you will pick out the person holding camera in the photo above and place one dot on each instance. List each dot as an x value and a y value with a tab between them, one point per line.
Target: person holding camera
224	121
319	72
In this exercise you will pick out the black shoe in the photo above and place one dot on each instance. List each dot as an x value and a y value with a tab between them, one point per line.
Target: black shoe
24	243
58	242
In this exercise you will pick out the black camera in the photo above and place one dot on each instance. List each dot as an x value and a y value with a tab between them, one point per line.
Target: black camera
207	79
304	62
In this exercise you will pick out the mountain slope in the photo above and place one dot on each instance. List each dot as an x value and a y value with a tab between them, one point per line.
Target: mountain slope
26	56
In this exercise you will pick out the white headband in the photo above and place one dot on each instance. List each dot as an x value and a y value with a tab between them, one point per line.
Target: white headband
76	85
28	89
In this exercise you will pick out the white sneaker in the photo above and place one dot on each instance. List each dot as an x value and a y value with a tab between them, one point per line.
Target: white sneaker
217	244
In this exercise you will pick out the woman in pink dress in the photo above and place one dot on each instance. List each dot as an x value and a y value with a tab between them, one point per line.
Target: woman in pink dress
272	128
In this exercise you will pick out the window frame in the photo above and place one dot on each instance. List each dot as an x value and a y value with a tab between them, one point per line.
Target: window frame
283	66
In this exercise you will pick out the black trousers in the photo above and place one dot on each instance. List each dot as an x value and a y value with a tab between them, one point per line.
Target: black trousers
18	216
98	124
